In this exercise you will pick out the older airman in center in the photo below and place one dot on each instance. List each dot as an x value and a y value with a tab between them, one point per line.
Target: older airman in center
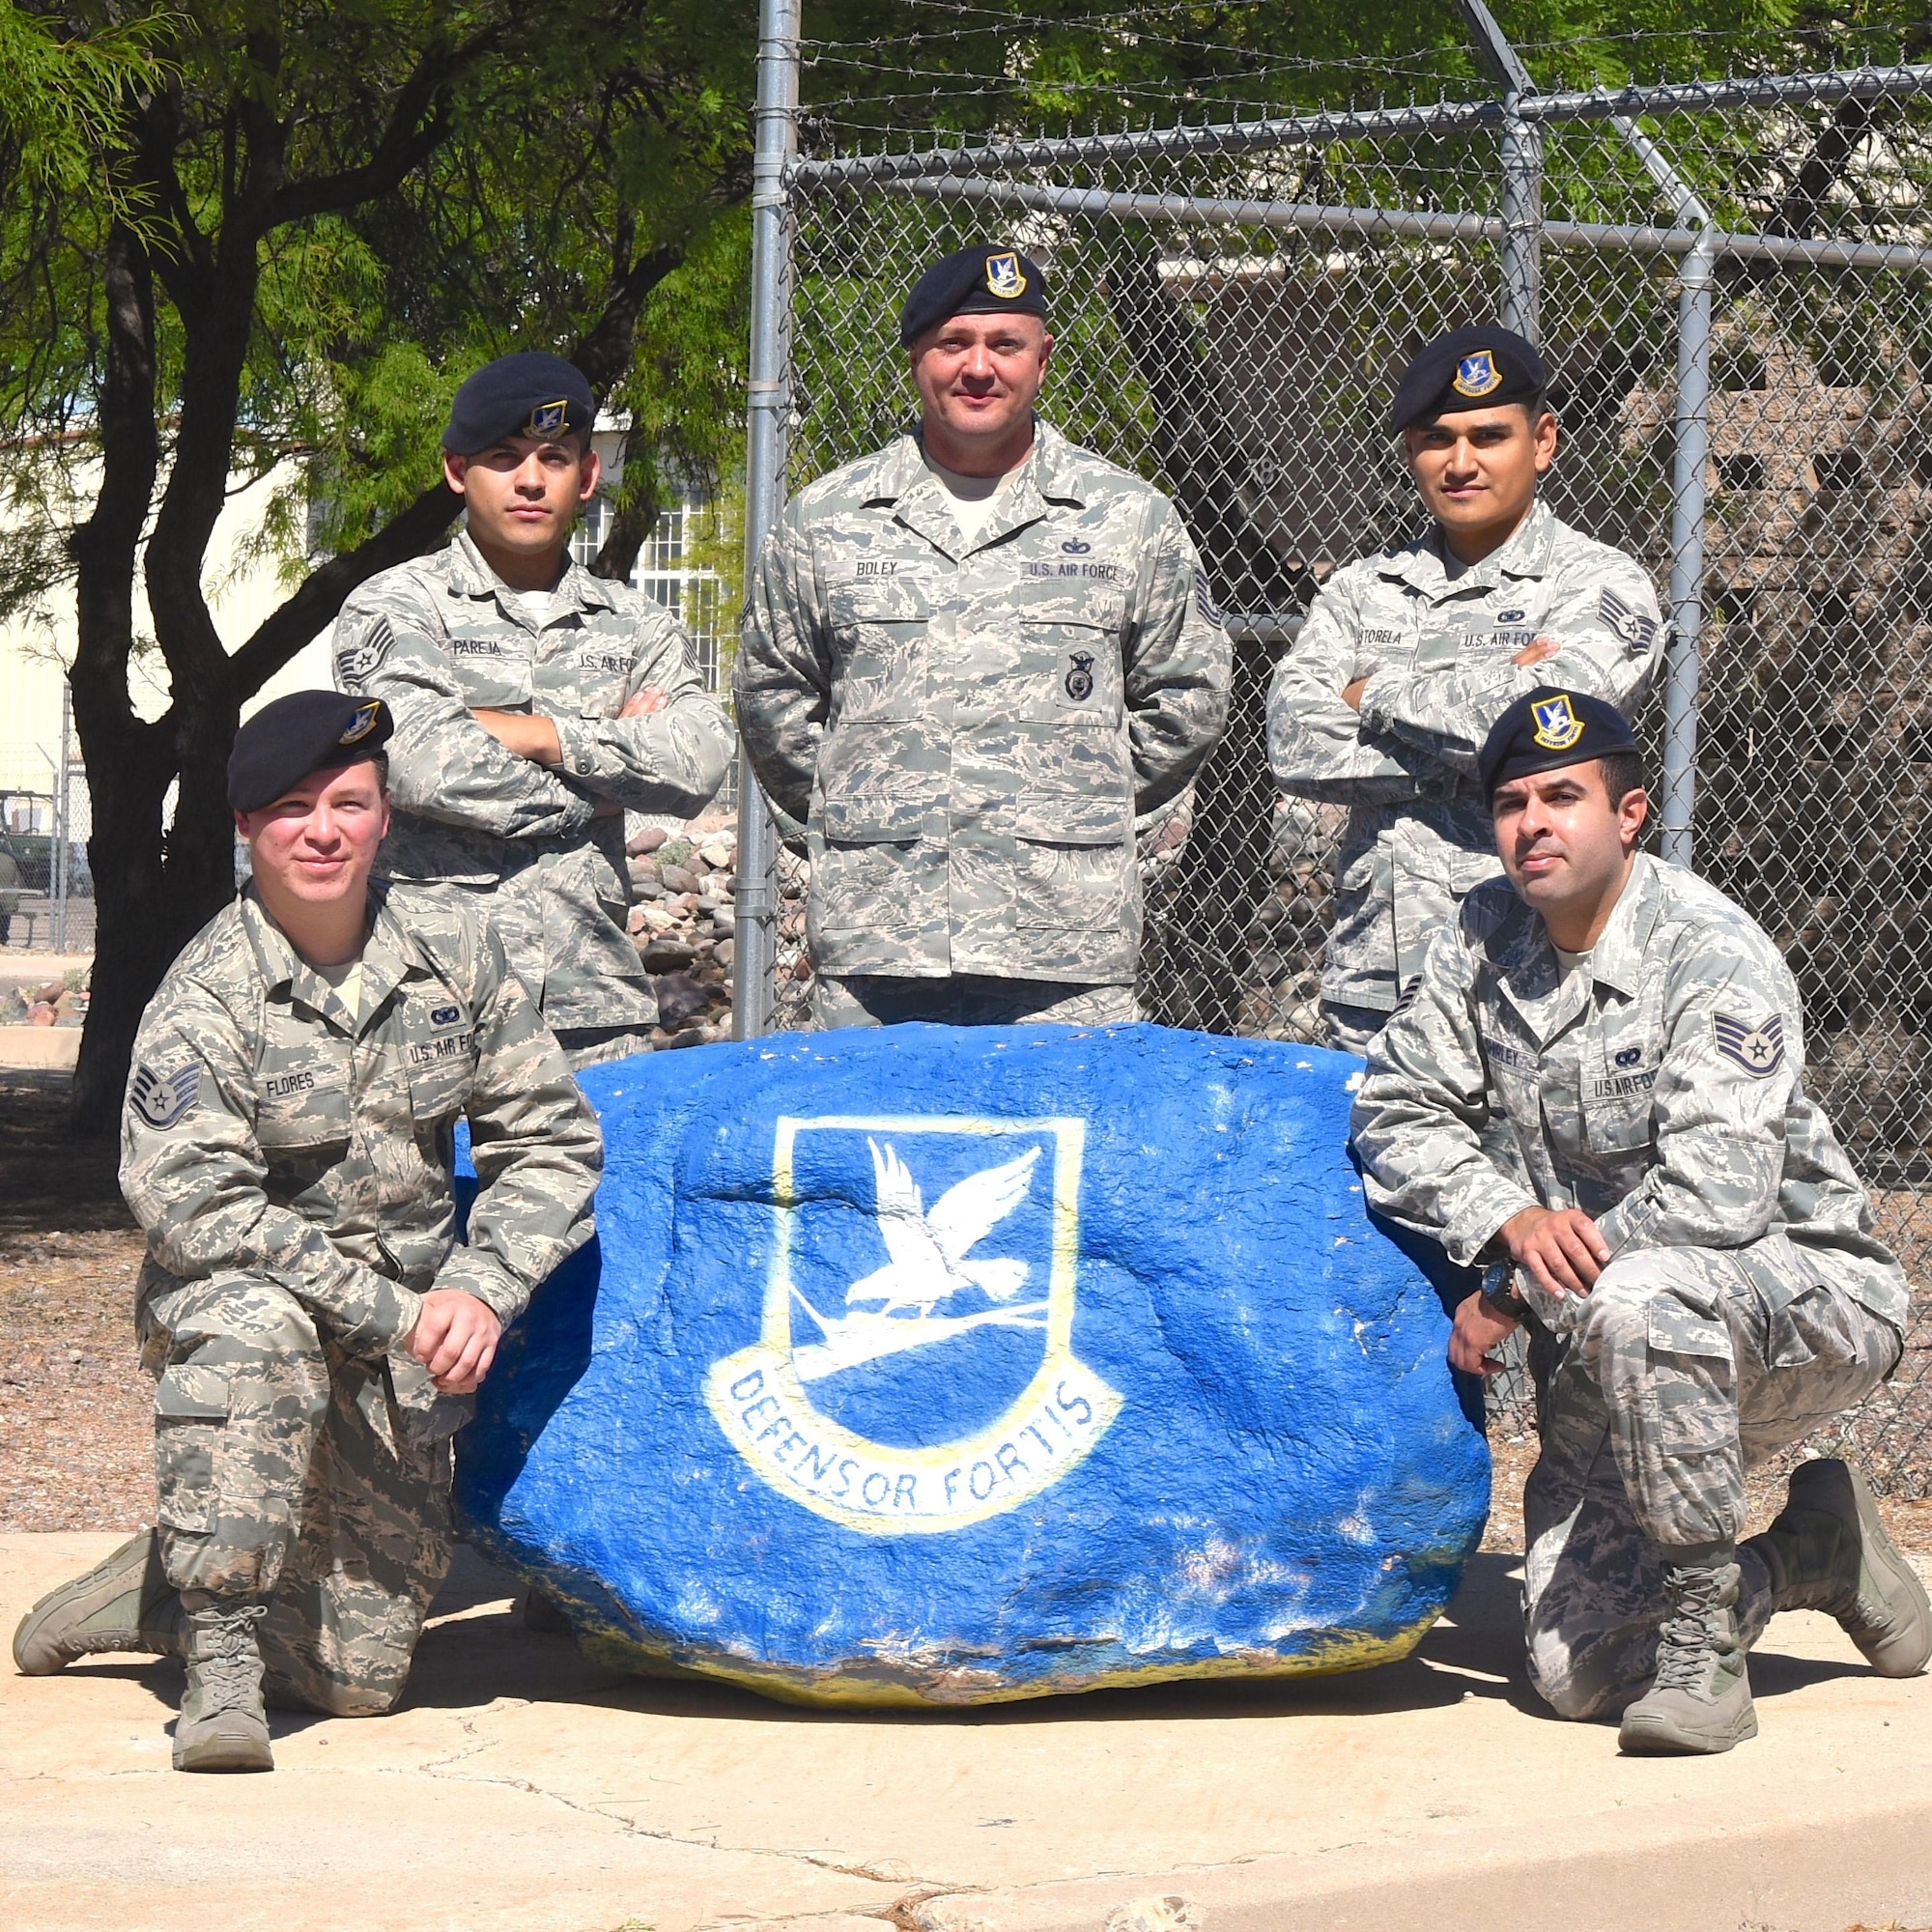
968	661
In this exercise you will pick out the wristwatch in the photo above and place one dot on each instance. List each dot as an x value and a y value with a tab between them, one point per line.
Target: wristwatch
1499	1289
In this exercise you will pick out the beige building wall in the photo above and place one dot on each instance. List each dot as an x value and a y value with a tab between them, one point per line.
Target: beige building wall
36	651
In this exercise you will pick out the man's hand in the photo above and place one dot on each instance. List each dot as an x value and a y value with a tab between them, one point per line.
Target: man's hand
455	1339
1560	1246
529	734
642	703
1352	693
1537	651
1480	1328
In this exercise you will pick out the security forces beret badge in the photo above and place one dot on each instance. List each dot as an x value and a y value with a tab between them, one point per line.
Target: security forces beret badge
1758	1049
1477	374
548	418
162	1098
1557	725
362	724
1003	278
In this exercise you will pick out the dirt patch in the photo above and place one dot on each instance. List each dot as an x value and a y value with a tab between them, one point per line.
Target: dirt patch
75	1435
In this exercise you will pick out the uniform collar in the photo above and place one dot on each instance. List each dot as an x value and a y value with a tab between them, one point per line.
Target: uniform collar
899	480
390	956
1529	968
469	575
1526	555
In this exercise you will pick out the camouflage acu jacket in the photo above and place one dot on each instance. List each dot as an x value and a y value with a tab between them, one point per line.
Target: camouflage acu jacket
442	637
1660	1090
1436	654
269	1130
967	732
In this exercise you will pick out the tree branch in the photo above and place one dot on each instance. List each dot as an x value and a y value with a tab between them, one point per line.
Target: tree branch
327	588
417	126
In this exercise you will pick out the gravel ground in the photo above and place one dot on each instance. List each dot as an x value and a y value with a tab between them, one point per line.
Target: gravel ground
74	1430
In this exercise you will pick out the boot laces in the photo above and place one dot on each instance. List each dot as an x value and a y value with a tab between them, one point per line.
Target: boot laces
227	1660
1695	1631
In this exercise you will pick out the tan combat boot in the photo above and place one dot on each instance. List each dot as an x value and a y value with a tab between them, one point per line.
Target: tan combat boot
121	1603
1827	1550
1700	1701
222	1725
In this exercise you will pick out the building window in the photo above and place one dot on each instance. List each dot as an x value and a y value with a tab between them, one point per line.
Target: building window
664	570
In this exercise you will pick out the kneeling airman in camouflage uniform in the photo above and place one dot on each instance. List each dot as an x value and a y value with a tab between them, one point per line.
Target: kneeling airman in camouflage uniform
1409	658
534	704
968	661
316	1325
1685	1237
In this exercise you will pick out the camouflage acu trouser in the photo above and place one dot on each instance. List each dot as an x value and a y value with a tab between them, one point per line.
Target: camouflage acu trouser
1682	1368
286	1470
966	999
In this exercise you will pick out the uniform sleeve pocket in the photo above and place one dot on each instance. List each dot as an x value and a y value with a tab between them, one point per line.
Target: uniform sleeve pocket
190	1413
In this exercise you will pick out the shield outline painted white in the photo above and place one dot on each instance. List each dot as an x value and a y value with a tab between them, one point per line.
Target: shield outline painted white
1056	1420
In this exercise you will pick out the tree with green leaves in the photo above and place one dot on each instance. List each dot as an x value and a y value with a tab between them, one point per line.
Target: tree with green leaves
296	228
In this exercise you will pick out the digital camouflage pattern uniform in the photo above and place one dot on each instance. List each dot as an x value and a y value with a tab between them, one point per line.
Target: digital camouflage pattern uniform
967	731
289	1163
1748	1302
442	637
1436	653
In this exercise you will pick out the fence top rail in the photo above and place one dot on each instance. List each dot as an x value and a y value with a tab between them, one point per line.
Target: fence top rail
1443	117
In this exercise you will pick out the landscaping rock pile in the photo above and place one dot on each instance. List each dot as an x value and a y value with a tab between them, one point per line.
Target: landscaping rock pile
685	923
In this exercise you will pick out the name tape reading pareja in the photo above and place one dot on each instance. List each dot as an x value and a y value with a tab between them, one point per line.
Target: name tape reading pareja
914	1370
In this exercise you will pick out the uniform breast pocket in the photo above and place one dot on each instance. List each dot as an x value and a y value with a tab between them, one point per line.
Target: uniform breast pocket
1067	667
878	631
301	1125
493	673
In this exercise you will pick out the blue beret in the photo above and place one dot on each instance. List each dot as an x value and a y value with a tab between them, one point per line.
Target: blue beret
1478	368
1550	729
986	279
526	394
305	732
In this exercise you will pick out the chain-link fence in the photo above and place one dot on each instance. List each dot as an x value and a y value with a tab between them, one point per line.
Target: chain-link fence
1729	280
46	888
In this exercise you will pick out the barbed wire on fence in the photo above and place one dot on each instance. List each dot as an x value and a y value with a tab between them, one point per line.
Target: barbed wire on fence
1729	280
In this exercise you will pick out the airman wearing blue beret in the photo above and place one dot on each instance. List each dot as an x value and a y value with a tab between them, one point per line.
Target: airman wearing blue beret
1408	659
534	704
968	661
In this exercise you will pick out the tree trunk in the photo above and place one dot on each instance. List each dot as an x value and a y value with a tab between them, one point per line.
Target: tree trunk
128	763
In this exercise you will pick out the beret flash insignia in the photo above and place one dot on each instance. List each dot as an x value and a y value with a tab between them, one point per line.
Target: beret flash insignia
1477	374
162	1098
362	724
548	418
1557	727
1003	278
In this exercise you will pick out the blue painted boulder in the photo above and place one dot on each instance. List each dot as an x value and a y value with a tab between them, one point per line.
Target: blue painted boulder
936	1366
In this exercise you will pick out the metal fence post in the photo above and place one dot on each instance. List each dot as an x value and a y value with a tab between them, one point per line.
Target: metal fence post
768	403
1696	283
1522	157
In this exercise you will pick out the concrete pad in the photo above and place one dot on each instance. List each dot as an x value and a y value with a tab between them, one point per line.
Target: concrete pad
40	1046
521	1790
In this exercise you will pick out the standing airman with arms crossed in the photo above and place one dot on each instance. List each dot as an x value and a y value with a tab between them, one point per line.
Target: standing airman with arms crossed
317	1328
1679	1226
534	704
1409	658
968	661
